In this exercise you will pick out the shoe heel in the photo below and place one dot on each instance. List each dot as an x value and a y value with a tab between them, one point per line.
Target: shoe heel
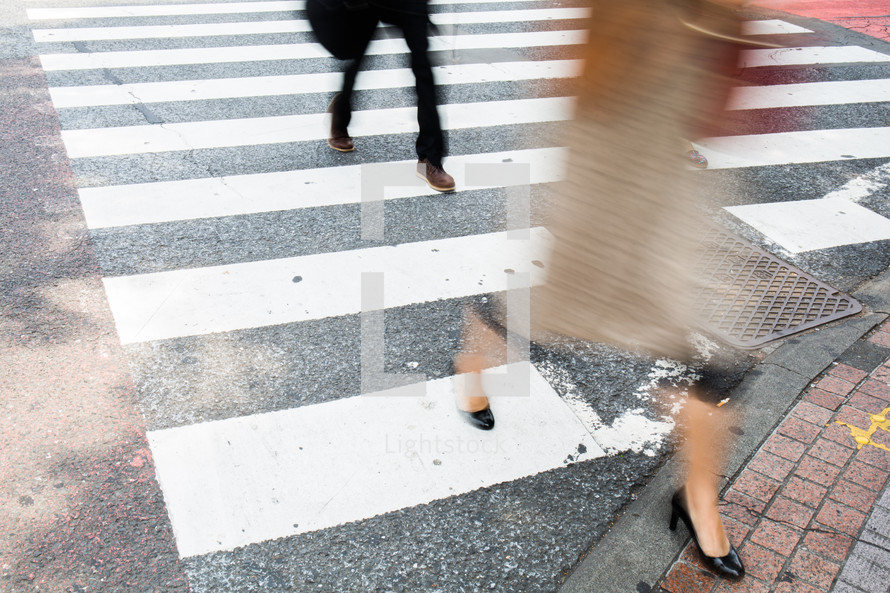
674	518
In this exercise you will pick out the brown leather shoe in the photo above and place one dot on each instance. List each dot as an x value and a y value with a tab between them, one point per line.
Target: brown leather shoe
339	138
435	177
341	143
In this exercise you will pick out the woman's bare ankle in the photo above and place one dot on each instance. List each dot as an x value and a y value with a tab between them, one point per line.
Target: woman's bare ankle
701	503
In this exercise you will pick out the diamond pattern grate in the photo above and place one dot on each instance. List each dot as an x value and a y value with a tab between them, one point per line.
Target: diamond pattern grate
752	297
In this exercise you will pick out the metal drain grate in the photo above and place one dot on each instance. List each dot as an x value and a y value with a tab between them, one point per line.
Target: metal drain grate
752	297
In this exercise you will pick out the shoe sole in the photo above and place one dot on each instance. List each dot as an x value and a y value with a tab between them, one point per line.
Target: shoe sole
340	149
442	189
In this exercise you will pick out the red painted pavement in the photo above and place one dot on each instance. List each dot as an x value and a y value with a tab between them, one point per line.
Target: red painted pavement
871	17
81	509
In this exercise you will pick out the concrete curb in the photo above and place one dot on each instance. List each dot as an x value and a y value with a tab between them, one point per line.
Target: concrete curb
639	548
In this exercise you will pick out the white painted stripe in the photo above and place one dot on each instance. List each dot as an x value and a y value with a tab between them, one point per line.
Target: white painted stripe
509	16
287	26
807	225
258	86
832	221
771	27
806	56
841	92
98	12
170	31
241	481
299	128
295	51
787	148
148	203
224	298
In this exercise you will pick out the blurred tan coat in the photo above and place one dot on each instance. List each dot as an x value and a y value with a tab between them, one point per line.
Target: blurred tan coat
626	218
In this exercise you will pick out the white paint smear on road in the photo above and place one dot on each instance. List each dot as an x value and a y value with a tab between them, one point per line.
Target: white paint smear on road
876	180
148	203
301	128
197	301
245	480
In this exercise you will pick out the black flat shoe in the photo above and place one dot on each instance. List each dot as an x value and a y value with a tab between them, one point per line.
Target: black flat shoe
483	419
729	566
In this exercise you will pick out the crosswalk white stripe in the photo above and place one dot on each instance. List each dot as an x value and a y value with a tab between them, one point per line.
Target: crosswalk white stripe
170	31
287	26
808	56
840	92
299	128
807	225
99	12
788	148
149	10
295	51
190	302
166	201
225	88
246	480
771	27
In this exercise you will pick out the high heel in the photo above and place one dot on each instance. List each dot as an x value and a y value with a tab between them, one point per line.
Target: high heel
729	566
482	419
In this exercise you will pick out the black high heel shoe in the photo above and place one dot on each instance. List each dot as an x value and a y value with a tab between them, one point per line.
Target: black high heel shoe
482	419
729	566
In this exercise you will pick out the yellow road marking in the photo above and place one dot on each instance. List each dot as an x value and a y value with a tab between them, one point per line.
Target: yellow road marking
864	437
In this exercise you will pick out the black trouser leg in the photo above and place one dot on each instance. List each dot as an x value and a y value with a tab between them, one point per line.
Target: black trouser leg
342	108
430	139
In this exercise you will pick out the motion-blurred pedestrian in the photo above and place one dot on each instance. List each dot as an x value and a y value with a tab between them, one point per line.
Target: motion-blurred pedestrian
411	17
625	223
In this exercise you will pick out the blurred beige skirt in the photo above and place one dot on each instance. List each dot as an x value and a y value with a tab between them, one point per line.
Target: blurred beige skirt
626	219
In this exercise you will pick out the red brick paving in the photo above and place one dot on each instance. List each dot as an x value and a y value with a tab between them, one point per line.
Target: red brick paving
835	385
771	465
784	447
824	399
800	430
833	546
866	476
688	579
796	508
817	571
789	511
881	339
816	470
809	493
848	373
812	413
757	485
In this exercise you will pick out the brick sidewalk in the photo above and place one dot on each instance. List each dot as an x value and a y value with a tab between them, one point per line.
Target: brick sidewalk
810	512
